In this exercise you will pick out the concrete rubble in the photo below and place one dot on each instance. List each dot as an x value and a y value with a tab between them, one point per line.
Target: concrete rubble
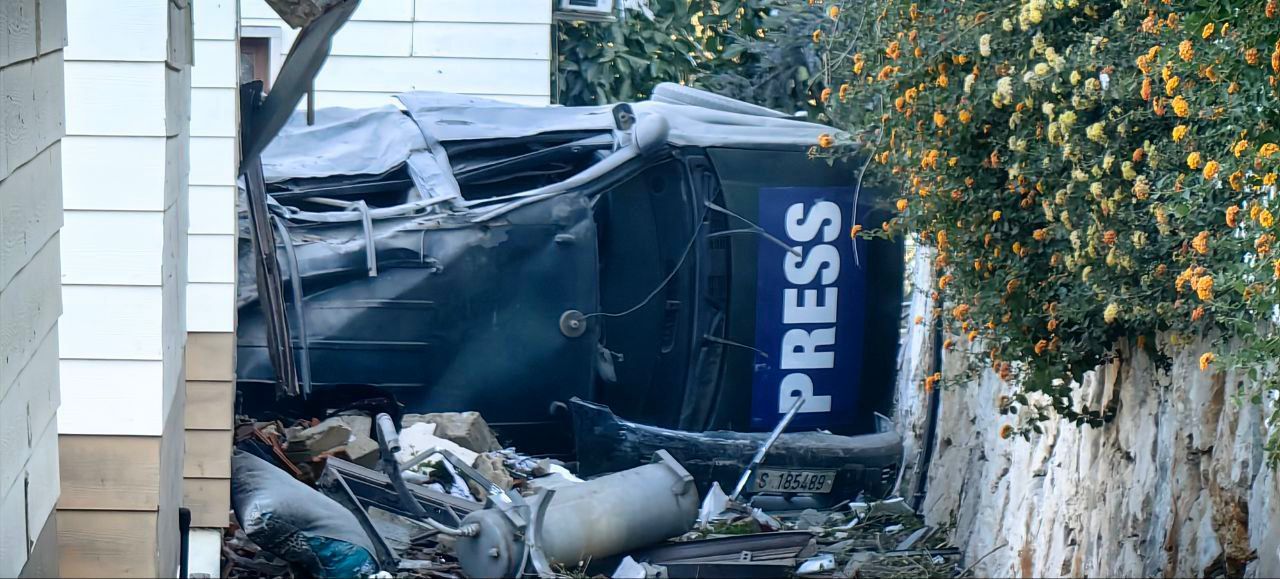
453	461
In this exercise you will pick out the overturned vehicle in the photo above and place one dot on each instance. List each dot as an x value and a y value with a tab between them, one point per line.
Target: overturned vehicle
684	261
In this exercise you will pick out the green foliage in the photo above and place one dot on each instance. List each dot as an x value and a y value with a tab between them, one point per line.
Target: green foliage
1090	171
744	49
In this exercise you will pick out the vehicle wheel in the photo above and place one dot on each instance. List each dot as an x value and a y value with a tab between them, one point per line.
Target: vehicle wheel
673	93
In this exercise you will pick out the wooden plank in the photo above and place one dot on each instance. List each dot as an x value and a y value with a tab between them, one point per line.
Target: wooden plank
211	307
107	544
117	397
42	471
374	39
50	98
213	161
52	25
95	30
116	98
178	42
216	63
113	173
111	323
29	212
215	19
29	306
17	87
211	356
112	247
529	11
471	40
373	74
43	559
217	112
13	538
39	381
208	454
14	450
209	500
210	404
212	210
171	459
177	116
20	21
101	472
211	258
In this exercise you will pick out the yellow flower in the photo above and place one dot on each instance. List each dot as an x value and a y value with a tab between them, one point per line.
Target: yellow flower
893	50
1268	149
995	215
817	36
1180	106
1039	234
1204	287
826	141
1193	160
858	62
834	12
939	119
1210	169
1275	267
1172	85
1179	132
1206	359
1240	147
1207	32
1251	56
1111	313
1265	218
1185	51
1201	242
960	311
964	116
1269	179
902	205
1236	180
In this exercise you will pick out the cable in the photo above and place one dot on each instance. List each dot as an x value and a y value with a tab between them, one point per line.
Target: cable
702	219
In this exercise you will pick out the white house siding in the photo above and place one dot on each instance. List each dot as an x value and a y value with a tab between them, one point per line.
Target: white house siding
32	36
494	48
125	166
211	267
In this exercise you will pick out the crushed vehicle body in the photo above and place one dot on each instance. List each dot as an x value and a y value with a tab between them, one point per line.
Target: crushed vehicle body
688	266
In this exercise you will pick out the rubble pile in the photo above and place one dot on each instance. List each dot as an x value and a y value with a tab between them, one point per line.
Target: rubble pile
439	496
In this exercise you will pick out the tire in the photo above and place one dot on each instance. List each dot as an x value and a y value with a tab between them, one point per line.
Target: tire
672	93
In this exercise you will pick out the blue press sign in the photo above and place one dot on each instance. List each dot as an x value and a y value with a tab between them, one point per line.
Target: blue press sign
810	308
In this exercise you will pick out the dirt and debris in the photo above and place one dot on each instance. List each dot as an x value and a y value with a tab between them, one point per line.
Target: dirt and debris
451	465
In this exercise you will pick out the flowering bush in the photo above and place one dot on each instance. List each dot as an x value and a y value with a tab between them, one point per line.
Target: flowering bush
1089	171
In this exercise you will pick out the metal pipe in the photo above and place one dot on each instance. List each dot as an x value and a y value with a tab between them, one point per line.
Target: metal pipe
764	448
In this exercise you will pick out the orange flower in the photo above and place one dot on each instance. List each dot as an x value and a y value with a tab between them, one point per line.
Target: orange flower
1146	89
1197	313
1271	9
902	205
1193	160
1006	431
1180	106
1040	346
1185	50
1275	267
1265	218
960	311
1236	180
1233	216
1206	33
834	12
1268	149
1201	243
817	36
939	119
825	95
1052	325
1240	147
931	381
1204	287
964	116
1039	234
844	91
894	50
1210	169
826	141
1206	359
1109	237
1251	56
995	215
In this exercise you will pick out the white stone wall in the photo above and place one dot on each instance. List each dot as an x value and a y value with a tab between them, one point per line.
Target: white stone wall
494	48
32	37
1173	486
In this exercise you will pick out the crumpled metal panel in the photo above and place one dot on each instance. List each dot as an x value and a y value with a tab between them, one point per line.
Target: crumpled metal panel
457	313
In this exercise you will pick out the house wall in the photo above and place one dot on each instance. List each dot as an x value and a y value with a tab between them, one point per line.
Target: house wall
211	267
123	332
494	48
32	36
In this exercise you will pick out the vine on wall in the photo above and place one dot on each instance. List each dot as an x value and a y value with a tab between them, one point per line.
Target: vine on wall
1090	171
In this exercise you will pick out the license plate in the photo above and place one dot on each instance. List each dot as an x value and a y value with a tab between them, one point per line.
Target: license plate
794	481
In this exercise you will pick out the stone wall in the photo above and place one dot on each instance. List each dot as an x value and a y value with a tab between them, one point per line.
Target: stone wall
1175	485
